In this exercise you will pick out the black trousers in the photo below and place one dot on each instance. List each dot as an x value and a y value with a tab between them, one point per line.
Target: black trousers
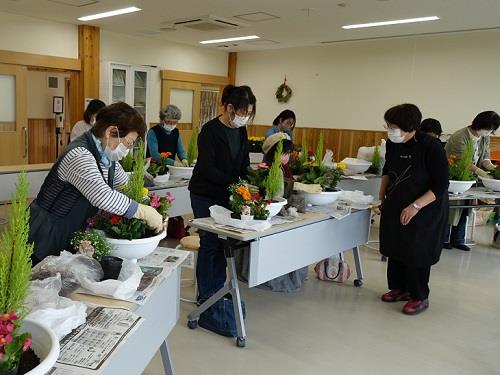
408	279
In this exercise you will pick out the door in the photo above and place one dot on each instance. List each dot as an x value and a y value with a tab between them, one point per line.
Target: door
186	96
13	116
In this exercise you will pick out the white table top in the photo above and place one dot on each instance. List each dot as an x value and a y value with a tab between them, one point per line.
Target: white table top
475	193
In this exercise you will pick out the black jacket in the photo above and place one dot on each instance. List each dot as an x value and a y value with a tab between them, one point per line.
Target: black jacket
215	170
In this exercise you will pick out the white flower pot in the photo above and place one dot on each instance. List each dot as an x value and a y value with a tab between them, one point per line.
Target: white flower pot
356	166
161	179
246	217
45	345
135	249
321	199
491	183
458	187
181	172
275	207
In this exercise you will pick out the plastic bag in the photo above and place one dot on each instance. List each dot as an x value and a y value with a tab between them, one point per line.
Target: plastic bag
356	198
73	268
123	288
328	159
222	216
61	314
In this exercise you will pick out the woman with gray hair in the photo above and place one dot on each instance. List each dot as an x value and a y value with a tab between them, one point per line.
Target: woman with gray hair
164	137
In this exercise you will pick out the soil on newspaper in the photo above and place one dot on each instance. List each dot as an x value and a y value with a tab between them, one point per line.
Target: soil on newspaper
28	362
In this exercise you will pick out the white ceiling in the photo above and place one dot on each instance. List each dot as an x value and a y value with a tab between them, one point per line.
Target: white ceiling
300	22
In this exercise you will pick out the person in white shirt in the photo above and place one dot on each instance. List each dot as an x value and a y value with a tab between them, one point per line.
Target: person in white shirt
88	121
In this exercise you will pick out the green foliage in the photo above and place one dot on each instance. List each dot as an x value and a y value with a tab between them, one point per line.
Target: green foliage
495	173
376	158
192	151
259	209
128	162
128	229
274	181
328	178
460	169
135	186
304	152
15	252
98	242
257	177
320	149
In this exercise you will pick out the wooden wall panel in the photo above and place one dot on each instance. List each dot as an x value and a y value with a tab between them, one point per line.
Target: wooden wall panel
343	142
41	141
89	52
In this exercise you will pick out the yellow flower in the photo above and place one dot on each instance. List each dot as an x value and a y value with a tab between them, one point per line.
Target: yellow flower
145	191
341	166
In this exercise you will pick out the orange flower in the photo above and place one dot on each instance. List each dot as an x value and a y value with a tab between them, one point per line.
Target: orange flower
452	159
245	194
165	154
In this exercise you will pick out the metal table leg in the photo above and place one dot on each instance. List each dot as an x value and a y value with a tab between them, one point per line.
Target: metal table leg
166	359
359	268
232	287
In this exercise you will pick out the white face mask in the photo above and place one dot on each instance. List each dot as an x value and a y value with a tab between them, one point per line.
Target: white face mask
484	133
395	135
118	153
169	127
239	121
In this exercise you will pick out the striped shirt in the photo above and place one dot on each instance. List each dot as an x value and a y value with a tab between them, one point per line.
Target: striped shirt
79	168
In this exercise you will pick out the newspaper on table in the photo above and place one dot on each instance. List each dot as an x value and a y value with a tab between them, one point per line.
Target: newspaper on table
88	347
156	267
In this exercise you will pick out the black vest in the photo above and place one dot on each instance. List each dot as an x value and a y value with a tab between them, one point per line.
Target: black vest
166	142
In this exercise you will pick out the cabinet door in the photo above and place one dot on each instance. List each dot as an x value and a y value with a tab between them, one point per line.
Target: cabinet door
13	117
119	83
140	93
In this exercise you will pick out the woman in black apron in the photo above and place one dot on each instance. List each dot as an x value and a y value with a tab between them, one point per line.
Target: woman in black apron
82	181
414	195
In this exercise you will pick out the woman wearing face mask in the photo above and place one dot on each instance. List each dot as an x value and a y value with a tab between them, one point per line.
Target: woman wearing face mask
165	137
88	121
83	180
483	125
284	123
223	159
414	195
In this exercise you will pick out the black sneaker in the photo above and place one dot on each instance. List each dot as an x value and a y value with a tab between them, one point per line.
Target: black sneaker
447	246
463	247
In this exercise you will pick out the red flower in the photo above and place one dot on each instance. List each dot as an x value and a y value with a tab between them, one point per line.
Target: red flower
26	344
115	219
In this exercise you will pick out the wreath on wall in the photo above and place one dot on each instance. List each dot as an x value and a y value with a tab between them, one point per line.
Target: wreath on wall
284	92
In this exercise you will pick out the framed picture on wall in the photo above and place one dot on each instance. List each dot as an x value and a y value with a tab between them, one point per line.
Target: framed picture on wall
58	104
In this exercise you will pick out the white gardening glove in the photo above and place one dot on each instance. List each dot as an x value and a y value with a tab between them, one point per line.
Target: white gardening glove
488	165
185	163
178	164
152	218
308	188
481	173
147	164
252	188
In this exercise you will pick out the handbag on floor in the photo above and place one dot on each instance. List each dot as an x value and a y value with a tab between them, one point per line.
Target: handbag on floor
175	228
333	269
219	318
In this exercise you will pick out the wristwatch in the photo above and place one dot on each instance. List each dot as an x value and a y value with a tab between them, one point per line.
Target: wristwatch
416	206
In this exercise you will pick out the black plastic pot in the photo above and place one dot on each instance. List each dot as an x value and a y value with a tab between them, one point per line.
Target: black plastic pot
235	215
111	267
11	372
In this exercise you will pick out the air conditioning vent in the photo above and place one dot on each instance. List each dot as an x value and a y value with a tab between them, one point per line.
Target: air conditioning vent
207	23
53	82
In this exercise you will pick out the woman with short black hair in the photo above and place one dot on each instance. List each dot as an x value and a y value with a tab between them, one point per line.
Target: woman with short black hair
414	196
284	122
223	159
432	127
88	121
483	125
83	180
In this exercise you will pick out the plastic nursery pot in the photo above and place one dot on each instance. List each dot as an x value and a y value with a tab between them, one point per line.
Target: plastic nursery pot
111	266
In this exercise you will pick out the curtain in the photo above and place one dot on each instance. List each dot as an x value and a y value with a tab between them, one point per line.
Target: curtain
208	107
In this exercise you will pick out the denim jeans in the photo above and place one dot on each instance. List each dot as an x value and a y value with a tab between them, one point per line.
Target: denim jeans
211	265
456	234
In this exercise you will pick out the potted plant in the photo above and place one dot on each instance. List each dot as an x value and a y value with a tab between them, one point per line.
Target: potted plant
255	149
274	183
192	154
130	238
94	245
17	335
246	205
461	177
160	170
128	163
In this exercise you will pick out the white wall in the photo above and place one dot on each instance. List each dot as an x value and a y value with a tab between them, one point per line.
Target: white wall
164	55
450	77
33	35
40	95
